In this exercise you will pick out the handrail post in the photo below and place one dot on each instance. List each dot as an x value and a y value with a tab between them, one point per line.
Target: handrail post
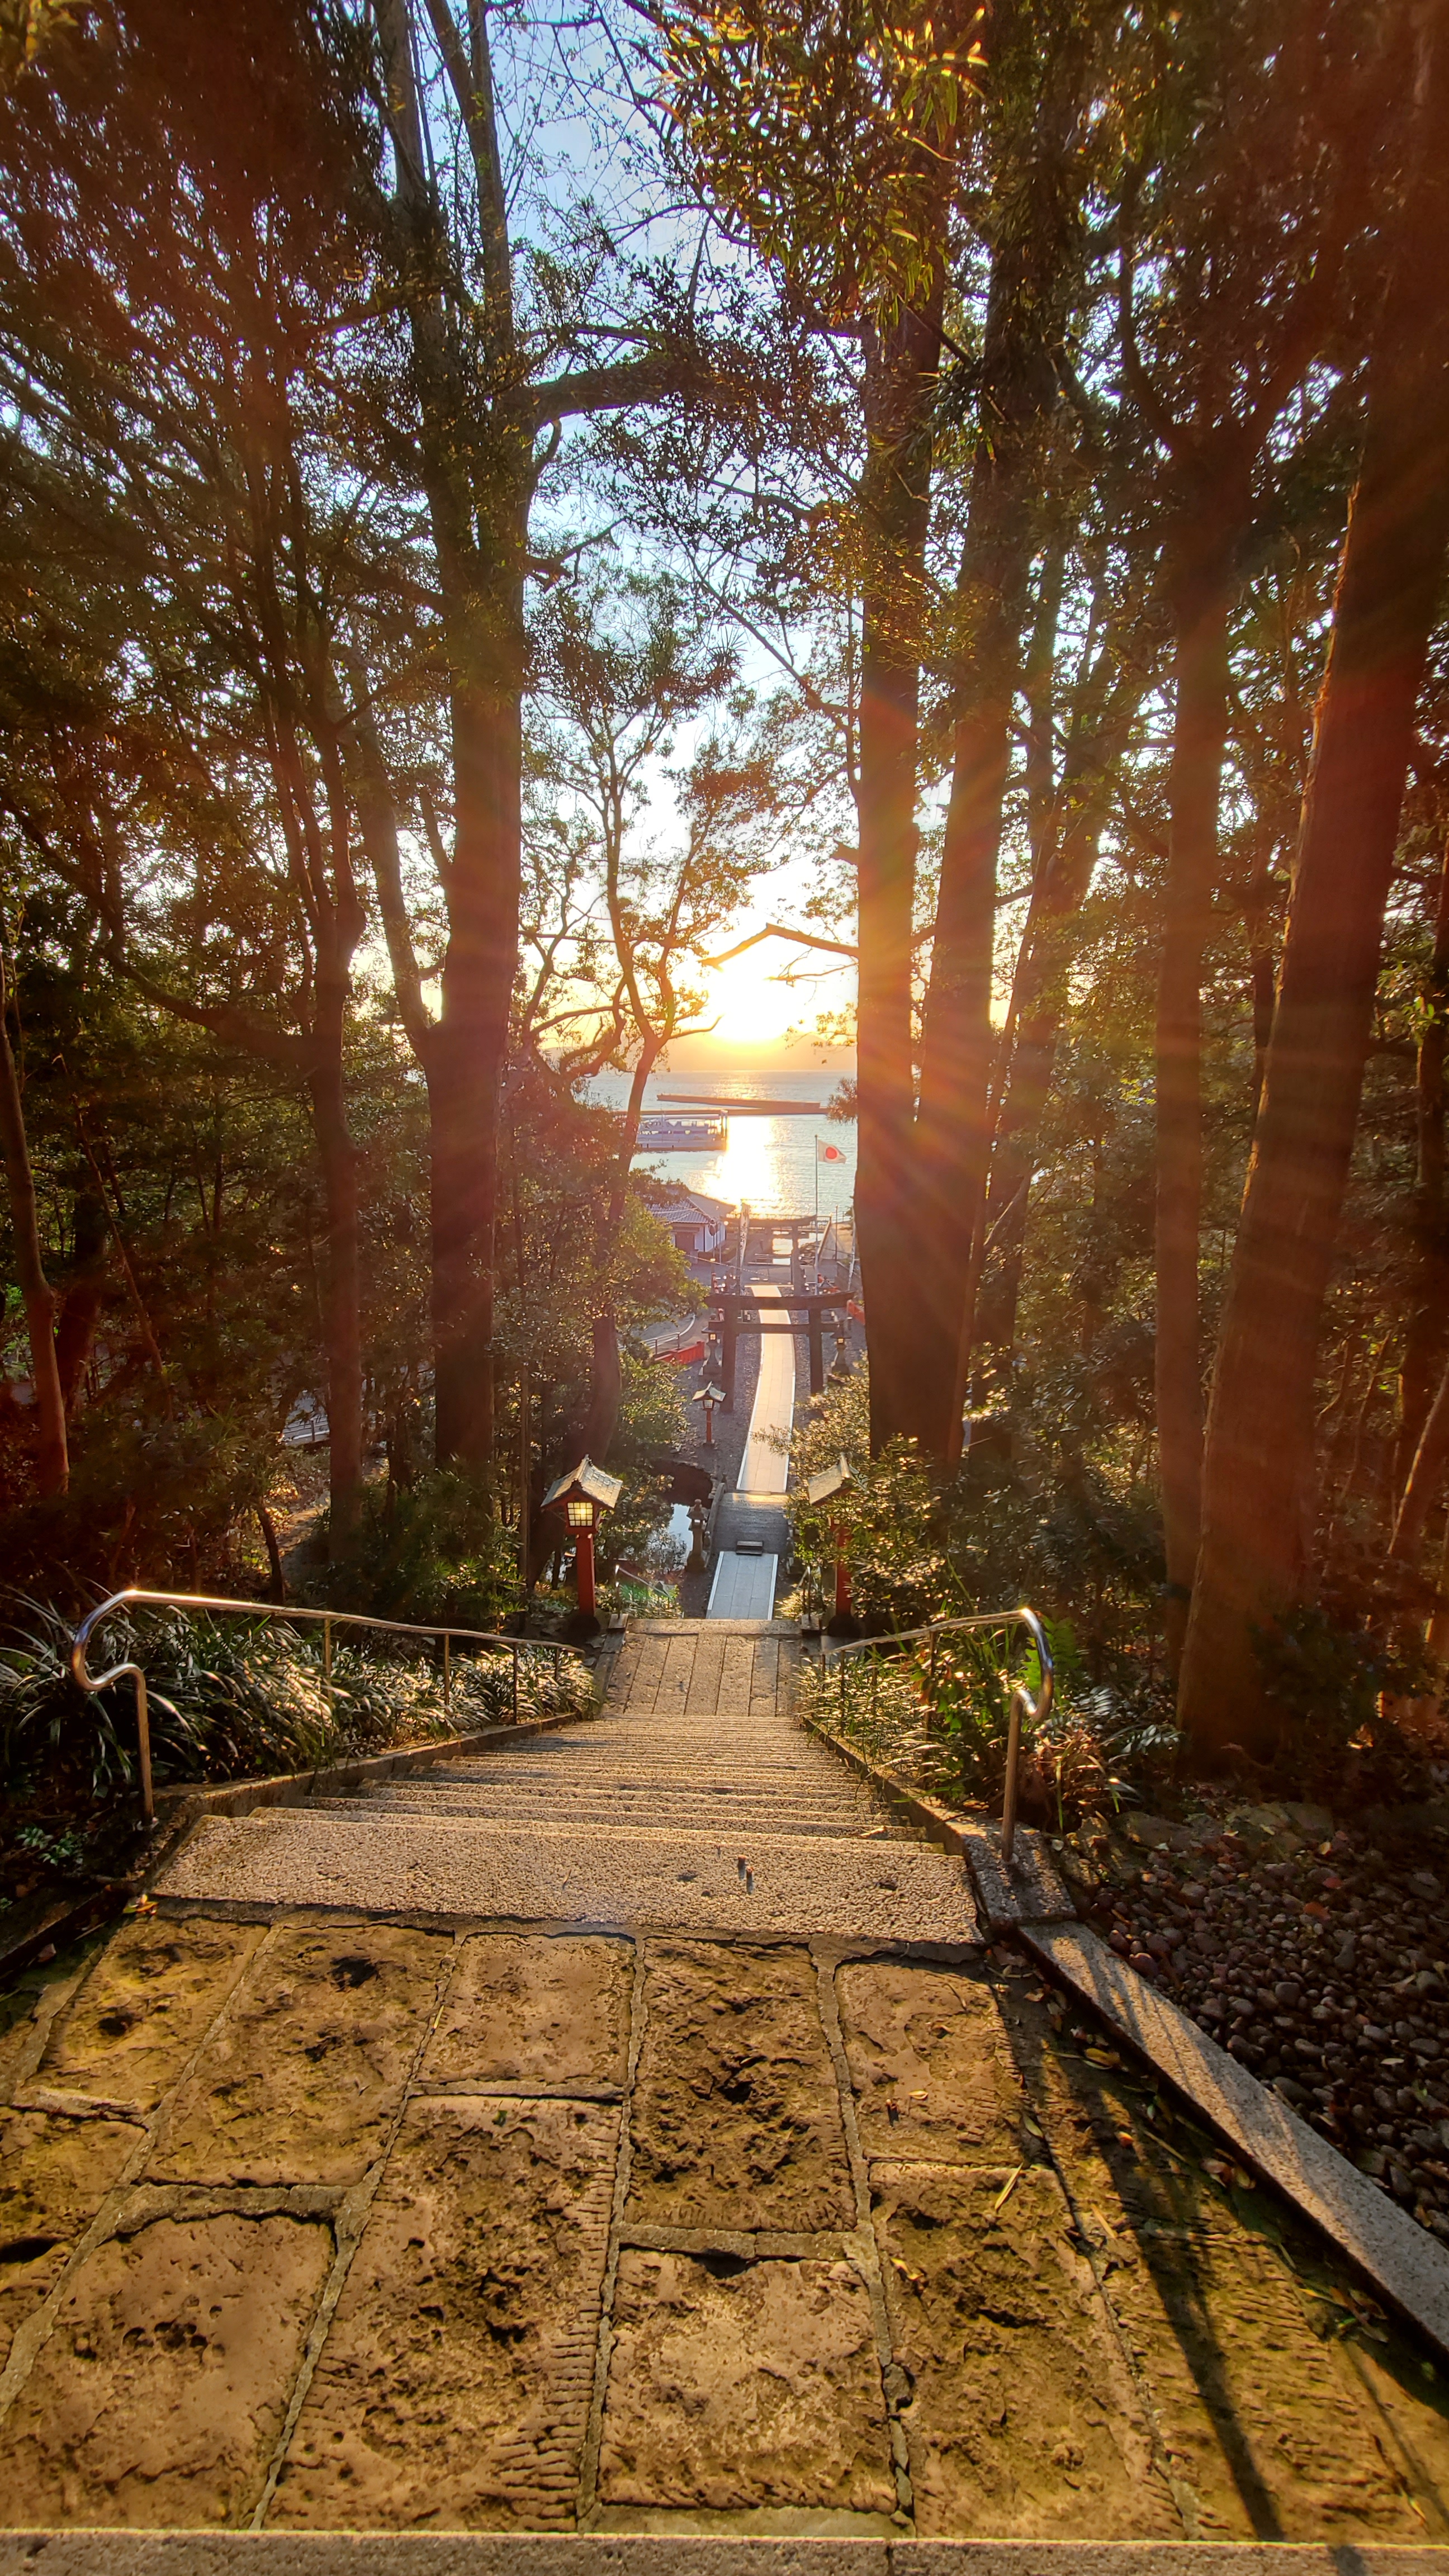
447	1668
931	1676
515	1681
327	1660
1013	1756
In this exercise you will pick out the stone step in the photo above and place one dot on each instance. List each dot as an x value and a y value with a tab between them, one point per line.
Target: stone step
500	1871
758	2543
674	1816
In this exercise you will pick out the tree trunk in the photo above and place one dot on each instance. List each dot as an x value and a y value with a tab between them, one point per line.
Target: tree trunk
606	1387
901	370
1424	1339
342	1303
470	1051
1194	789
52	1454
1258	1480
84	1295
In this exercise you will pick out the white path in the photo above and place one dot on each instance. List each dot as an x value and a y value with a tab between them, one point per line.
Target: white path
744	1586
766	1470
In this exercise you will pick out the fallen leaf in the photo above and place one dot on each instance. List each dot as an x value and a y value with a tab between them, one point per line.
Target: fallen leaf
1004	2195
1101	2057
917	2279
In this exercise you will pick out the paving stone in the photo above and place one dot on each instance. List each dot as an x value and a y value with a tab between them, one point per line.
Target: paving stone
736	2384
30	2005
1022	2421
1385	2244
161	2391
144	2009
54	2174
301	2080
930	2064
736	2120
545	2015
1269	2426
455	2383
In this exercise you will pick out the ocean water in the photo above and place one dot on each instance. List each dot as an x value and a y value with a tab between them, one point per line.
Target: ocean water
768	1164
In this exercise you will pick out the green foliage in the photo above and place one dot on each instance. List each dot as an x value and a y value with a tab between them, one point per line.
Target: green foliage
889	1521
1332	1685
435	1550
826	133
237	1699
938	1715
152	1499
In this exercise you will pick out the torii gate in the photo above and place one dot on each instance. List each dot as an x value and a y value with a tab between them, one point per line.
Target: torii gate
751	1313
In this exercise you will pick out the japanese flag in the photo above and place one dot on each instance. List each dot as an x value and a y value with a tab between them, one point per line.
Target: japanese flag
828	1153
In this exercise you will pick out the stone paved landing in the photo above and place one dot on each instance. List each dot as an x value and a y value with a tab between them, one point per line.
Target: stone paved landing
745	1880
319	2225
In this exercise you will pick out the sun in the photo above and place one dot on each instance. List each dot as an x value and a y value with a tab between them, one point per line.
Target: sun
751	1004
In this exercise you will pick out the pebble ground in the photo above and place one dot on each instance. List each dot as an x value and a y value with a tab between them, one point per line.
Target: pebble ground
1320	1960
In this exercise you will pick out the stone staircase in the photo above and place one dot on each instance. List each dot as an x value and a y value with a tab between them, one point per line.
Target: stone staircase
692	1800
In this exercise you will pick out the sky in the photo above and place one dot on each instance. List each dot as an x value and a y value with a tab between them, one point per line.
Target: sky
576	136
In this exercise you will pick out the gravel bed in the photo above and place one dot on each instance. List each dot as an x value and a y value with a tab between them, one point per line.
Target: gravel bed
1320	1964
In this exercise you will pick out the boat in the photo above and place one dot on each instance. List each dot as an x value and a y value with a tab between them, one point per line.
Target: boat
661	1133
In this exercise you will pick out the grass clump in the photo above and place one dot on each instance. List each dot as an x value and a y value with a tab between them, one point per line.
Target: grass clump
237	1698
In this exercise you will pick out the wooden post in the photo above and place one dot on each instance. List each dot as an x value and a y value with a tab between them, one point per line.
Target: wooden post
525	1472
817	1351
728	1351
584	1571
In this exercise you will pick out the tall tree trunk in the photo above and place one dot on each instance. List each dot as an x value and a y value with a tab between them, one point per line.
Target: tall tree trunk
1194	789
1258	1480
342	1305
84	1295
1032	265
901	368
1429	1315
52	1452
471	1049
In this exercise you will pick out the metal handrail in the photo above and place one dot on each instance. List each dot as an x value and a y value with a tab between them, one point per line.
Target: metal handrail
134	1597
1022	1703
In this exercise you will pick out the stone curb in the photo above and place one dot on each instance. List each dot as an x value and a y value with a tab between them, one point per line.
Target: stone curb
1387	2247
68	1919
325	2553
1035	1895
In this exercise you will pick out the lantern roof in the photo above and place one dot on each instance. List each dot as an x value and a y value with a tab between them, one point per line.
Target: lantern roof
830	1481
589	1480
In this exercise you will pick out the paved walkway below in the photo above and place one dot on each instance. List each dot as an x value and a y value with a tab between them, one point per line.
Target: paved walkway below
745	1583
782	2214
766	1468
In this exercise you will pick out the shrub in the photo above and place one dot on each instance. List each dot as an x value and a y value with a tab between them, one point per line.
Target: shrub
235	1699
436	1550
942	1722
